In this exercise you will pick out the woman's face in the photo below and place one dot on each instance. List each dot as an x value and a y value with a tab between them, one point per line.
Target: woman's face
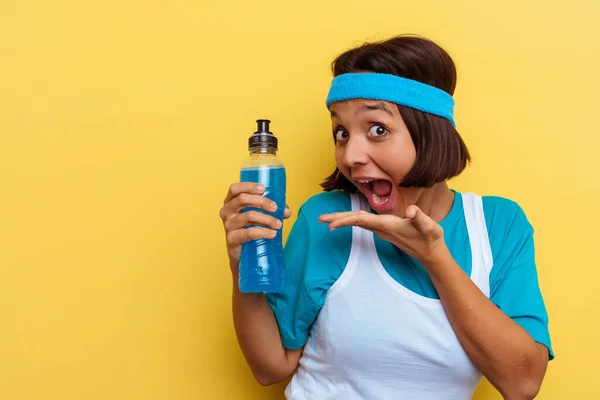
373	150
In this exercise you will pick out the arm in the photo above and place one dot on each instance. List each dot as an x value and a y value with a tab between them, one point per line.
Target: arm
258	335
255	324
503	351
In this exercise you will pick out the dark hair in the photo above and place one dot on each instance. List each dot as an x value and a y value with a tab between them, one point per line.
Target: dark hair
441	153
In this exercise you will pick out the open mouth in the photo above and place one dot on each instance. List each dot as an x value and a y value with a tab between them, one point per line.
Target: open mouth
377	191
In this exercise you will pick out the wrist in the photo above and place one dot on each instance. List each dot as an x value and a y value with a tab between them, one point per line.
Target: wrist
437	255
234	268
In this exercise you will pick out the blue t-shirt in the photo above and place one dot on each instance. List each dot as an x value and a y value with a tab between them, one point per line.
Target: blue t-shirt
315	259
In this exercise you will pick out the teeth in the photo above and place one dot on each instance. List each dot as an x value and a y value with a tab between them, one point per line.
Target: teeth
379	200
364	180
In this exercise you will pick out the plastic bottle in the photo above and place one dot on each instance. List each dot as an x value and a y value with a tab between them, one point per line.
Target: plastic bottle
262	267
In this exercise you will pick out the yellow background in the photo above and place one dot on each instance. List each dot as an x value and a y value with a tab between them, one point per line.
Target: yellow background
122	123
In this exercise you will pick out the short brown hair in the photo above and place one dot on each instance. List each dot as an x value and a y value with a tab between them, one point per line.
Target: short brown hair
441	152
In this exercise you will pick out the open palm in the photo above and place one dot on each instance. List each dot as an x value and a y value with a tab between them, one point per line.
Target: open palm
417	234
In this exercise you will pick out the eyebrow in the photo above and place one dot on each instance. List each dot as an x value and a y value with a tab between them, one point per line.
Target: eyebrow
373	107
367	108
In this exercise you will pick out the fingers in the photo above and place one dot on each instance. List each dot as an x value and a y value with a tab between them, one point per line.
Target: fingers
287	212
241	236
412	211
252	218
334	216
327	217
243	187
352	218
420	220
244	199
238	226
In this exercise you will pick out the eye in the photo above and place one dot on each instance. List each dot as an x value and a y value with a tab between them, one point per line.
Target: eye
378	130
340	134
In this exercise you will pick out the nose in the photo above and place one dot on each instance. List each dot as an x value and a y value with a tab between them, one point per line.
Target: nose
355	152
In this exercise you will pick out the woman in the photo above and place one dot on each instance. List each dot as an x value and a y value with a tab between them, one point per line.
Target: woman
398	286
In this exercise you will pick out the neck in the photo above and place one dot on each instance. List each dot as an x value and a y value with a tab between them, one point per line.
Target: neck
436	201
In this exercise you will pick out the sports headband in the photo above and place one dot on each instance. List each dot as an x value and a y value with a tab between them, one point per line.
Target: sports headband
392	88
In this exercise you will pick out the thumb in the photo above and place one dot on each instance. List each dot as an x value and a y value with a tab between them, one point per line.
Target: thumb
287	212
418	218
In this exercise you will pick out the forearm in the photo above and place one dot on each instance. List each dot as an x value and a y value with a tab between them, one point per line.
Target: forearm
258	335
503	351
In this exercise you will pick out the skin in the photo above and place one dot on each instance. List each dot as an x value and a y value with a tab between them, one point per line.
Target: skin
373	141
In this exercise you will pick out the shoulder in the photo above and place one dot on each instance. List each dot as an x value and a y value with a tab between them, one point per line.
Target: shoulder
328	250
509	230
500	204
504	214
326	202
309	212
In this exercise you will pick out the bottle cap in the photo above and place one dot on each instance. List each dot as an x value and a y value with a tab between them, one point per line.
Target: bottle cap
262	137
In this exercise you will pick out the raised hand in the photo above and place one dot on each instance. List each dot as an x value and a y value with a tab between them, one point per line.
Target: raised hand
239	196
416	234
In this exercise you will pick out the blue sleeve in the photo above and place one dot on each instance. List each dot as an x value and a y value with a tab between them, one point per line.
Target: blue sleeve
514	285
294	308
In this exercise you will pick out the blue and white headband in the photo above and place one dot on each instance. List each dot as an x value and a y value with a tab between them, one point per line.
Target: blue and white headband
394	89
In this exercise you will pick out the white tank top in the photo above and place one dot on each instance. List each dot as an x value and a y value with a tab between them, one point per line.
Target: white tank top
375	339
